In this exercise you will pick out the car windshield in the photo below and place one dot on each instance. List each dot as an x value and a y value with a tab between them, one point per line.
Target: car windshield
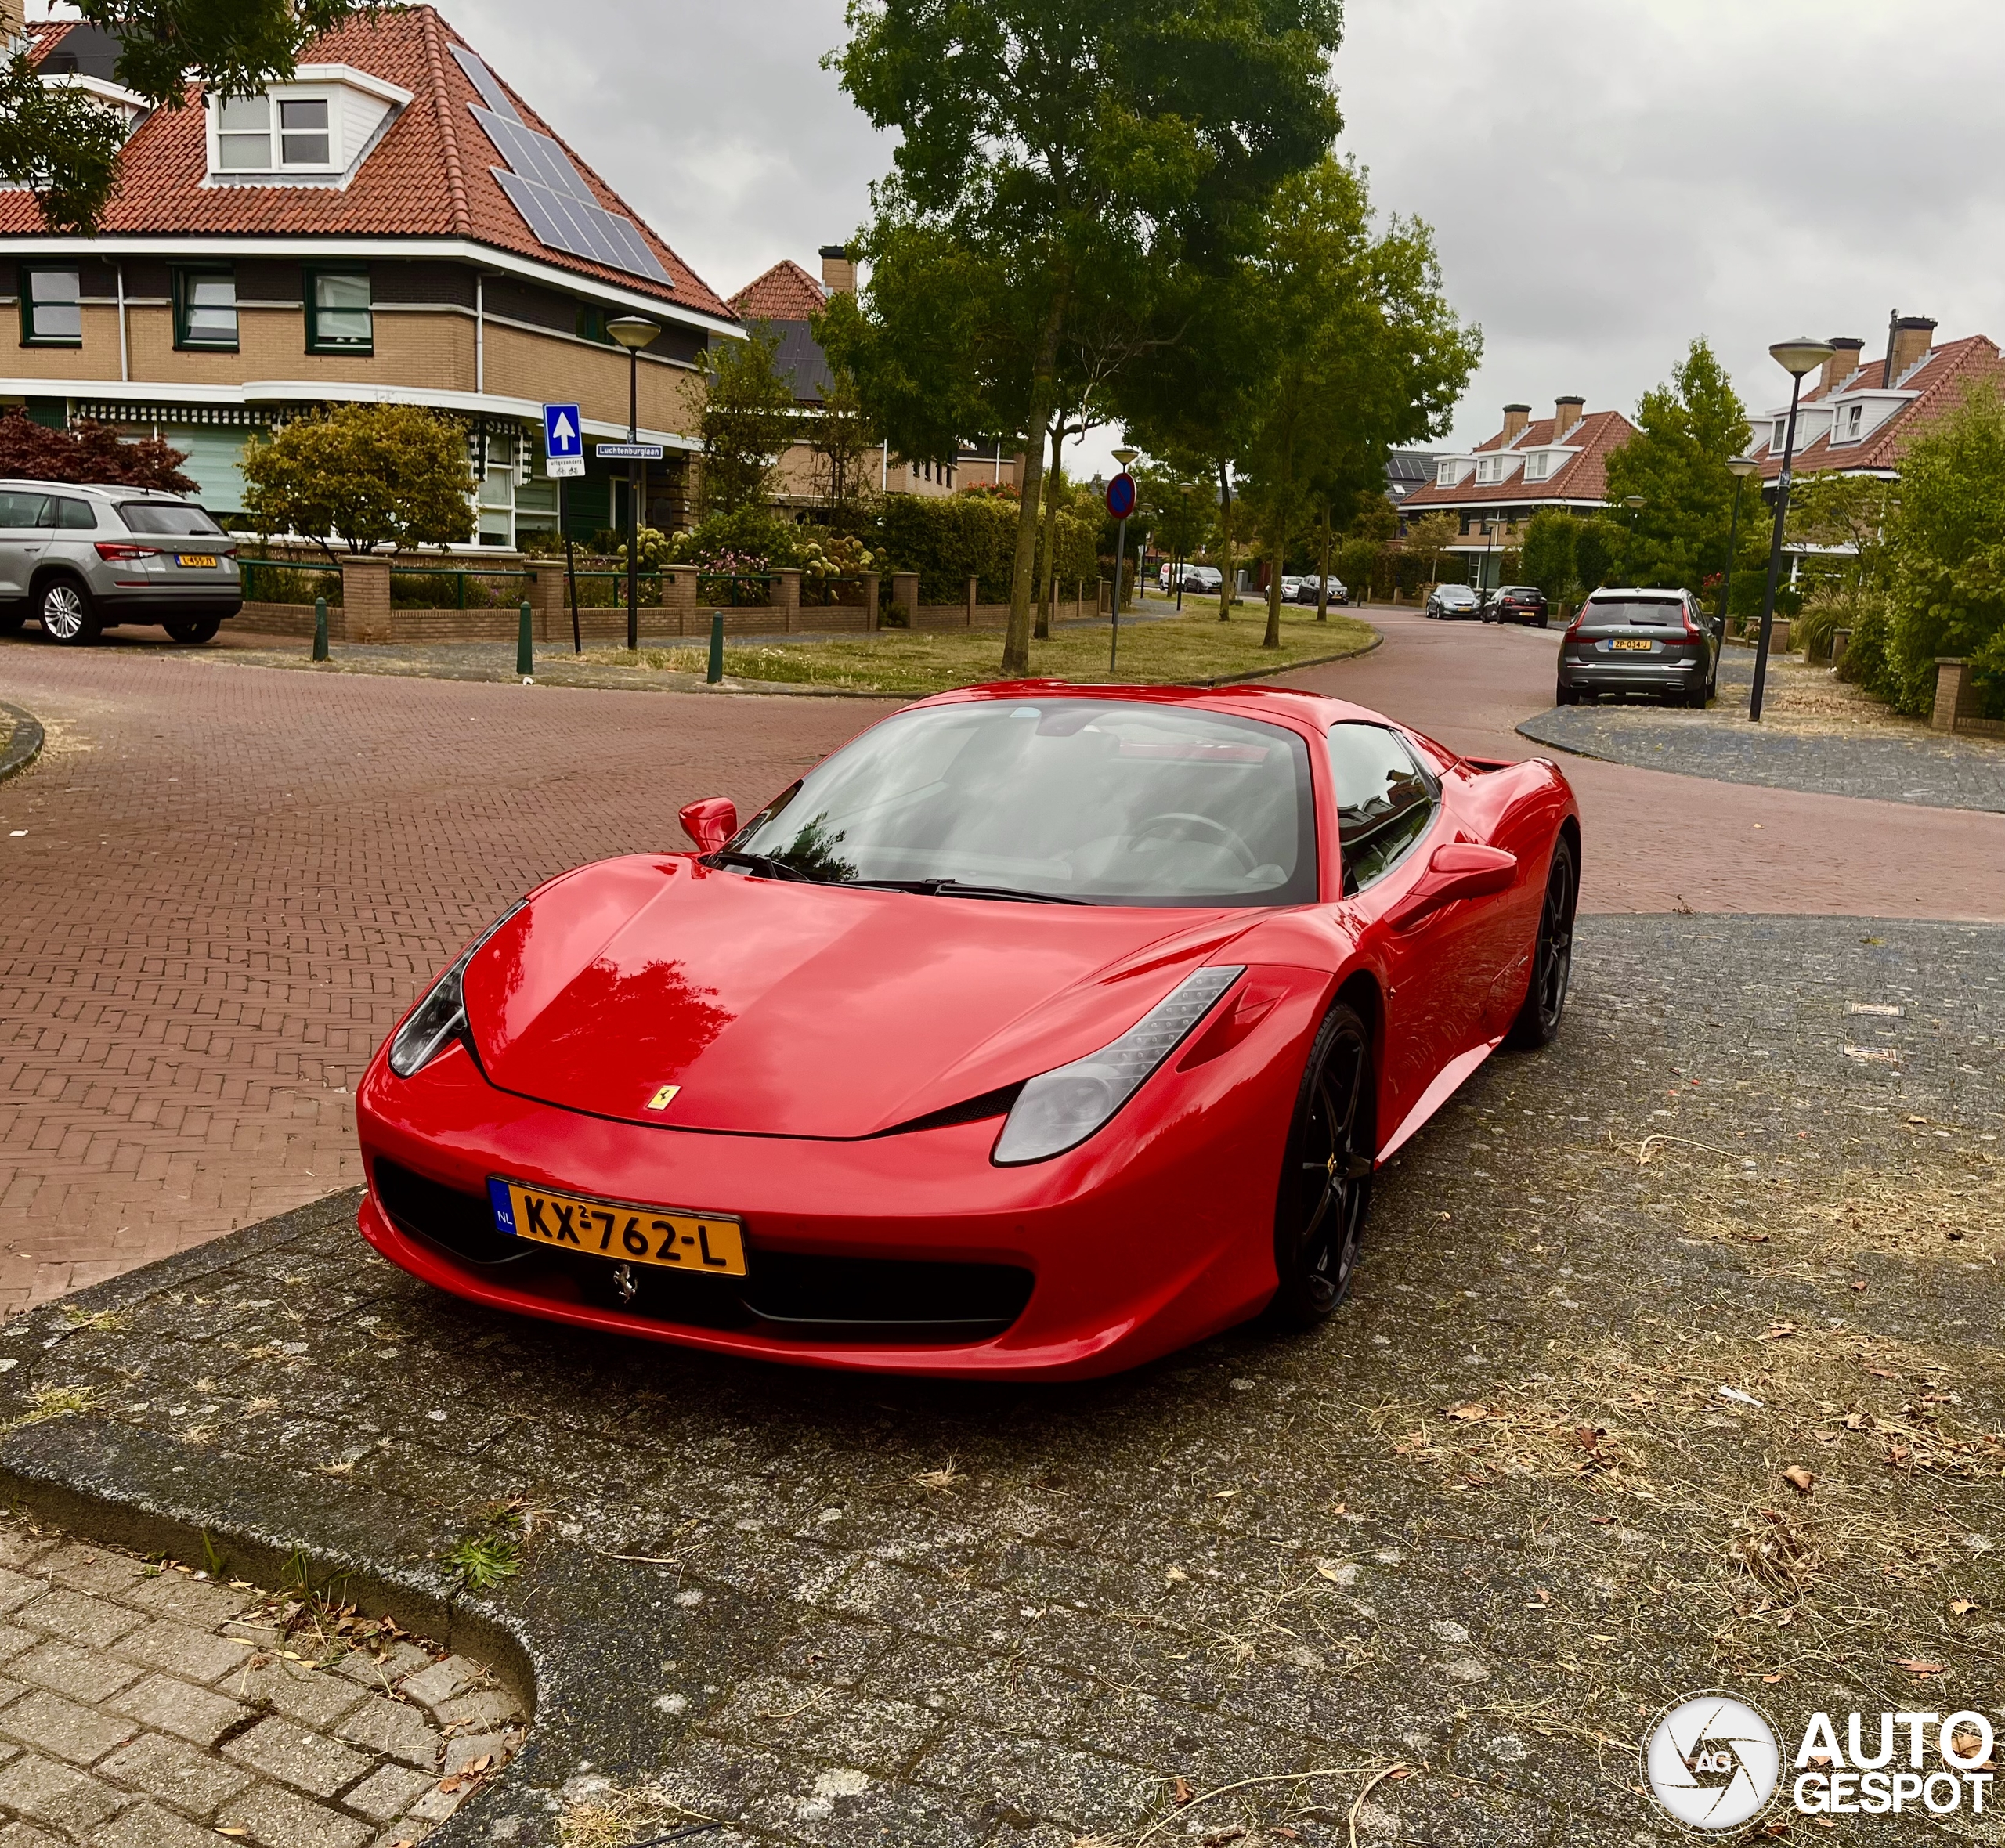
168	516
1455	593
1628	612
1108	802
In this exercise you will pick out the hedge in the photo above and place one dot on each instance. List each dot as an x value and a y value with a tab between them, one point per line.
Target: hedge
952	539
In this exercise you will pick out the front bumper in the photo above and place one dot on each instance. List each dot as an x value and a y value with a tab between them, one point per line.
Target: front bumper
1155	1233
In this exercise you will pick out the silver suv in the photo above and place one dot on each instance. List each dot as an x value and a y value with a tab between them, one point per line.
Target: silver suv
81	559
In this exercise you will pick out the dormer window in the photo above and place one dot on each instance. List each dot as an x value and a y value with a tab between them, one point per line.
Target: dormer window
1444	475
265	133
1854	415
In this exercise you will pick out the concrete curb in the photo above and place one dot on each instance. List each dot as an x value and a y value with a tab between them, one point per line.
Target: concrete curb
24	745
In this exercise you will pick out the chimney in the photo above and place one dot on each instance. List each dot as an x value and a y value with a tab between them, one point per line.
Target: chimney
1913	335
1842	364
13	21
1565	414
838	266
1516	417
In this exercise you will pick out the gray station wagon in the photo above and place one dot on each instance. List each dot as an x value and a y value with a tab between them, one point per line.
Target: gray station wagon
81	559
1656	642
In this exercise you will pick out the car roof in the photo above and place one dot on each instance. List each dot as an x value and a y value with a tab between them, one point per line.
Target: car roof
109	490
1608	592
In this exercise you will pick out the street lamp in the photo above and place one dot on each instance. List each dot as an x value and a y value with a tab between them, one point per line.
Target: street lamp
632	332
1124	457
1741	467
1795	357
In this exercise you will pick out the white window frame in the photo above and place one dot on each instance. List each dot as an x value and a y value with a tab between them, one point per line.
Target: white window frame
277	165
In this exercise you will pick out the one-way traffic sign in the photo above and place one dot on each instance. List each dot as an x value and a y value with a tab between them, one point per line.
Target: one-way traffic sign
563	440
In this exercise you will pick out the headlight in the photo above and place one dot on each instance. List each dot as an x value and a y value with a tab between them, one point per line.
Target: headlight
1058	1110
440	1018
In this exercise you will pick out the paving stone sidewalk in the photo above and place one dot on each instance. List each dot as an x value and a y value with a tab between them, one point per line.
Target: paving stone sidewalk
1926	768
146	1704
1523	1491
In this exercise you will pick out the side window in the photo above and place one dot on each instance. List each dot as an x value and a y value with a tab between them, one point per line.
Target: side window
76	516
22	513
1385	800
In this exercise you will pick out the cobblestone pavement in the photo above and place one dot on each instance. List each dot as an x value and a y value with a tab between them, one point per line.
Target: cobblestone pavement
145	1705
1933	769
1526	1488
229	882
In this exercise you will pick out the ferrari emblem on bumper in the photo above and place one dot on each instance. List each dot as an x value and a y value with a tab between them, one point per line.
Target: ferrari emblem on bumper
663	1098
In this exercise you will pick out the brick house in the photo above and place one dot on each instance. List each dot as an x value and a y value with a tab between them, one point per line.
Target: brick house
1560	461
783	301
1859	415
395	224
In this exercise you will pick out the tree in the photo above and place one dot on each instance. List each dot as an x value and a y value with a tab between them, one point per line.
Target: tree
1686	430
1177	508
750	418
63	144
1548	552
1430	535
368	474
844	438
88	452
1054	142
1594	554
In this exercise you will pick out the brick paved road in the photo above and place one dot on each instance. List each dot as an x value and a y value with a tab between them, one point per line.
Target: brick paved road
232	879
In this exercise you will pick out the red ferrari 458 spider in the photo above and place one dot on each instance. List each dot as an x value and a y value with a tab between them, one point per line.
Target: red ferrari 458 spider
1042	1029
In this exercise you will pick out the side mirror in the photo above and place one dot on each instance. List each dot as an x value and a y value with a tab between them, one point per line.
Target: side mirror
711	822
1458	870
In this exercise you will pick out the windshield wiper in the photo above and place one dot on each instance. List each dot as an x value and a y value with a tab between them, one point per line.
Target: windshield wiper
762	863
959	888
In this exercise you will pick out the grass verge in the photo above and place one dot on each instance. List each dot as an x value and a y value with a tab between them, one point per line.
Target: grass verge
1173	650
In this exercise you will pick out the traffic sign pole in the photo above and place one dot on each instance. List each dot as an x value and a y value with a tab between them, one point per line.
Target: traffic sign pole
1121	504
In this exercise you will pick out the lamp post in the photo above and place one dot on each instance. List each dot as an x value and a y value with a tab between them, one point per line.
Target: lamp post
632	332
1795	357
1741	467
1635	504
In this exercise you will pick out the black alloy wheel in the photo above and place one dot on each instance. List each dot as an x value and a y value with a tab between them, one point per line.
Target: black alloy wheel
67	616
1326	1175
1538	1023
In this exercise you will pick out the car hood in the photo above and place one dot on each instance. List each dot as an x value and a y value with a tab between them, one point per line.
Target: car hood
786	1009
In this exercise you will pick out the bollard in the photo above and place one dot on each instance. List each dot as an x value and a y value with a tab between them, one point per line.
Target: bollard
716	649
320	628
525	646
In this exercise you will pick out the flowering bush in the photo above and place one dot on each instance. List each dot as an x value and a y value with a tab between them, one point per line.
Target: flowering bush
652	547
841	555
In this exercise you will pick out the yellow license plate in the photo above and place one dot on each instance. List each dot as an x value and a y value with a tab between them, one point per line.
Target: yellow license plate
1633	645
698	1242
195	558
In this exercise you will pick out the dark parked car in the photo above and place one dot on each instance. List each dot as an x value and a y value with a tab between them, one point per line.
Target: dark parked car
1305	591
1639	641
1452	600
1516	602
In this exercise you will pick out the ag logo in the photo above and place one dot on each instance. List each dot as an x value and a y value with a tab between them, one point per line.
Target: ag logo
1712	1762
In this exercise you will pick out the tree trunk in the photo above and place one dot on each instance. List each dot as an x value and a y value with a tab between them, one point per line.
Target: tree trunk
1048	590
1224	527
1322	585
1275	546
1023	579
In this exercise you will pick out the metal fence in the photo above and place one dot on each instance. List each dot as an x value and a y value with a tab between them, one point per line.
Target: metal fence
418	587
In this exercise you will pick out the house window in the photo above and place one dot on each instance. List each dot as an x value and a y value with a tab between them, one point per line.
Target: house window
591	325
52	308
205	309
1444	475
266	134
1854	414
338	319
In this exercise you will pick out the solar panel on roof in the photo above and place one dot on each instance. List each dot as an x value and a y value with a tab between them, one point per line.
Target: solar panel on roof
482	80
549	192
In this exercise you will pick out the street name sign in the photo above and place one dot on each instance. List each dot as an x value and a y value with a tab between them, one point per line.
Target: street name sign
630	452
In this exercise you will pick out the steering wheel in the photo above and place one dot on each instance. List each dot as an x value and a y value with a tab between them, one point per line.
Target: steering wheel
1227	838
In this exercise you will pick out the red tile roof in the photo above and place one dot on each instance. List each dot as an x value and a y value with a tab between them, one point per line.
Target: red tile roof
785	292
1581	477
429	176
1941	381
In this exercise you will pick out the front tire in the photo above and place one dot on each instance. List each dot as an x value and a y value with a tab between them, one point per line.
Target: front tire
1538	1023
67	613
1326	1173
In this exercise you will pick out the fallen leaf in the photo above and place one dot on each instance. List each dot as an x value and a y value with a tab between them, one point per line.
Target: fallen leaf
1770	1681
1183	1793
477	1766
1224	1494
1880	1373
1778	1331
1471	1409
1799	1478
1859	1286
1858	1420
1826	1437
1962	1607
1921	1668
1336	1574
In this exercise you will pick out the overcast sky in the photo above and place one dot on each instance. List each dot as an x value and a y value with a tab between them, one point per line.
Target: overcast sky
1606	178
